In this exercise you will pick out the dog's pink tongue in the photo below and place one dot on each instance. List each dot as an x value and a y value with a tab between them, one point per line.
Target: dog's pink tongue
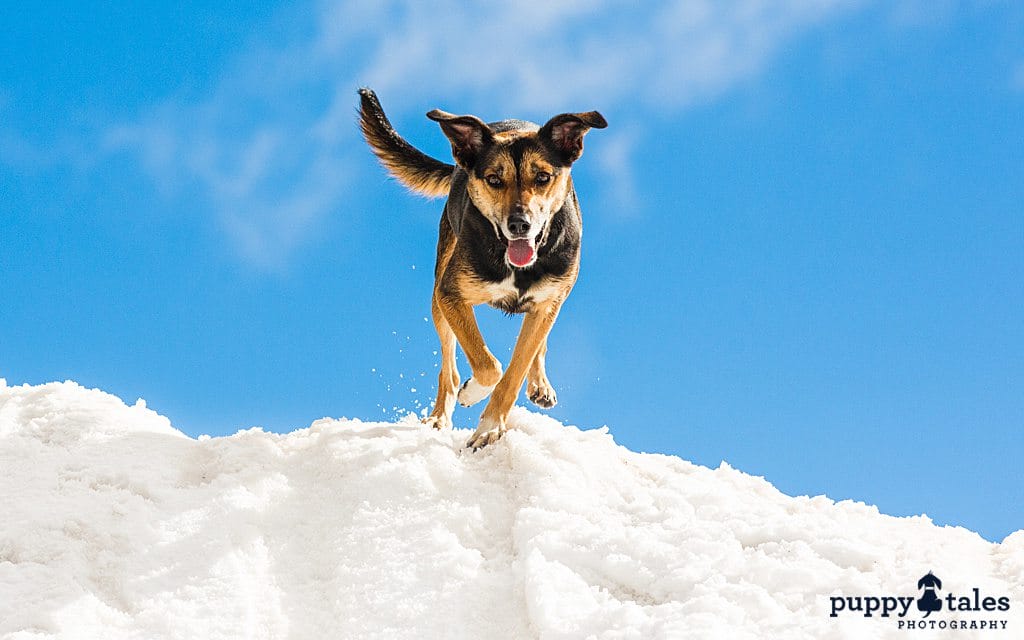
520	252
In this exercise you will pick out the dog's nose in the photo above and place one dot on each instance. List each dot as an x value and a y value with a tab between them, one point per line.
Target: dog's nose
518	224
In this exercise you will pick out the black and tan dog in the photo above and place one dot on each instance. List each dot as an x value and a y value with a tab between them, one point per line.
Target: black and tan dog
510	237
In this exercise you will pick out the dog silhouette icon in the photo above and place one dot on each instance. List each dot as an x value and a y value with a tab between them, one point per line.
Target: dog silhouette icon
928	601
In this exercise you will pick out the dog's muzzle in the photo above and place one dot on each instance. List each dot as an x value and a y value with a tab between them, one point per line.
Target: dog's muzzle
521	248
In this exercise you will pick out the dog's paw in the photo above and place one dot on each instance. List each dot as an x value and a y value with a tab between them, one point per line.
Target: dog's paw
541	394
438	422
473	392
487	433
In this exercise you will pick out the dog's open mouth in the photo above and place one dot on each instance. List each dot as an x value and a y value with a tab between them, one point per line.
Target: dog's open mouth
520	252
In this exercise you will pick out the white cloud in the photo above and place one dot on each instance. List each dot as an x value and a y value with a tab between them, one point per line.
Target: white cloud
543	55
269	194
272	145
615	165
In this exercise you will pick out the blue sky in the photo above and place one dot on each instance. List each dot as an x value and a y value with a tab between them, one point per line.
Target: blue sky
804	248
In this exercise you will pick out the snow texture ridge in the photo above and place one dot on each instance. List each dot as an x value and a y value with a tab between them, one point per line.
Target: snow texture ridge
116	525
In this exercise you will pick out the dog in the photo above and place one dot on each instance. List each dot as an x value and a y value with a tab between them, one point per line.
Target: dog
509	237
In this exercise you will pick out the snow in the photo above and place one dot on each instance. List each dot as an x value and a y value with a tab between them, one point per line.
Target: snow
116	525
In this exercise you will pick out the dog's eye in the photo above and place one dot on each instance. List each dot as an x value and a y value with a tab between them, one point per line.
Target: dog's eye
543	178
494	181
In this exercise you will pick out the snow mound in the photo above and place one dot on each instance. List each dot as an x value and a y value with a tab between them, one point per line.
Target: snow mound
115	525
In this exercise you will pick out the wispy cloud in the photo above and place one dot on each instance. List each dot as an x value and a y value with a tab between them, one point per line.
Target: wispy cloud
546	55
271	145
616	166
270	182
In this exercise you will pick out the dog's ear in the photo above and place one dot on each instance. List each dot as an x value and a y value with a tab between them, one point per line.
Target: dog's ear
565	133
468	135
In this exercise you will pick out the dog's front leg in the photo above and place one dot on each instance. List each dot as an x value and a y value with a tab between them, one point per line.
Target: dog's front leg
534	333
486	368
538	387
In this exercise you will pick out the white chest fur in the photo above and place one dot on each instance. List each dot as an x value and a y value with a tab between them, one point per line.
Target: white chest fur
505	295
502	290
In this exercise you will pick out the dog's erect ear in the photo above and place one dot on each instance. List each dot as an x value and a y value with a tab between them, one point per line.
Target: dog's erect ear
565	132
468	135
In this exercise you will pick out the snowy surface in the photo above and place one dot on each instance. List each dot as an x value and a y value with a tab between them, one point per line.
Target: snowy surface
116	525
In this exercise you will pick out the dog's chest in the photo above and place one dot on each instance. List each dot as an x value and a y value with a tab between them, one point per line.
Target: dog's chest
508	297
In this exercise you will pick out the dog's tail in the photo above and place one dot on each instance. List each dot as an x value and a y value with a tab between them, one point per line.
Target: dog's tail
413	168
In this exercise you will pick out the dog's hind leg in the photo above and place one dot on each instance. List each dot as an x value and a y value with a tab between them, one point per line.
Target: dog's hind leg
486	368
538	387
448	378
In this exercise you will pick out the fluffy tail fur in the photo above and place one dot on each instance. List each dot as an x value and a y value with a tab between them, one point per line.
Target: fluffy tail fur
413	168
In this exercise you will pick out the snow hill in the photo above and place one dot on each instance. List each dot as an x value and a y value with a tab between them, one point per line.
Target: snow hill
116	525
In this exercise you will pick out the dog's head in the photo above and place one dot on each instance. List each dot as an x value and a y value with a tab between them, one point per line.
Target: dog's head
518	178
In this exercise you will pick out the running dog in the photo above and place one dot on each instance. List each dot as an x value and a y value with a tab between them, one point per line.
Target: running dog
510	237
